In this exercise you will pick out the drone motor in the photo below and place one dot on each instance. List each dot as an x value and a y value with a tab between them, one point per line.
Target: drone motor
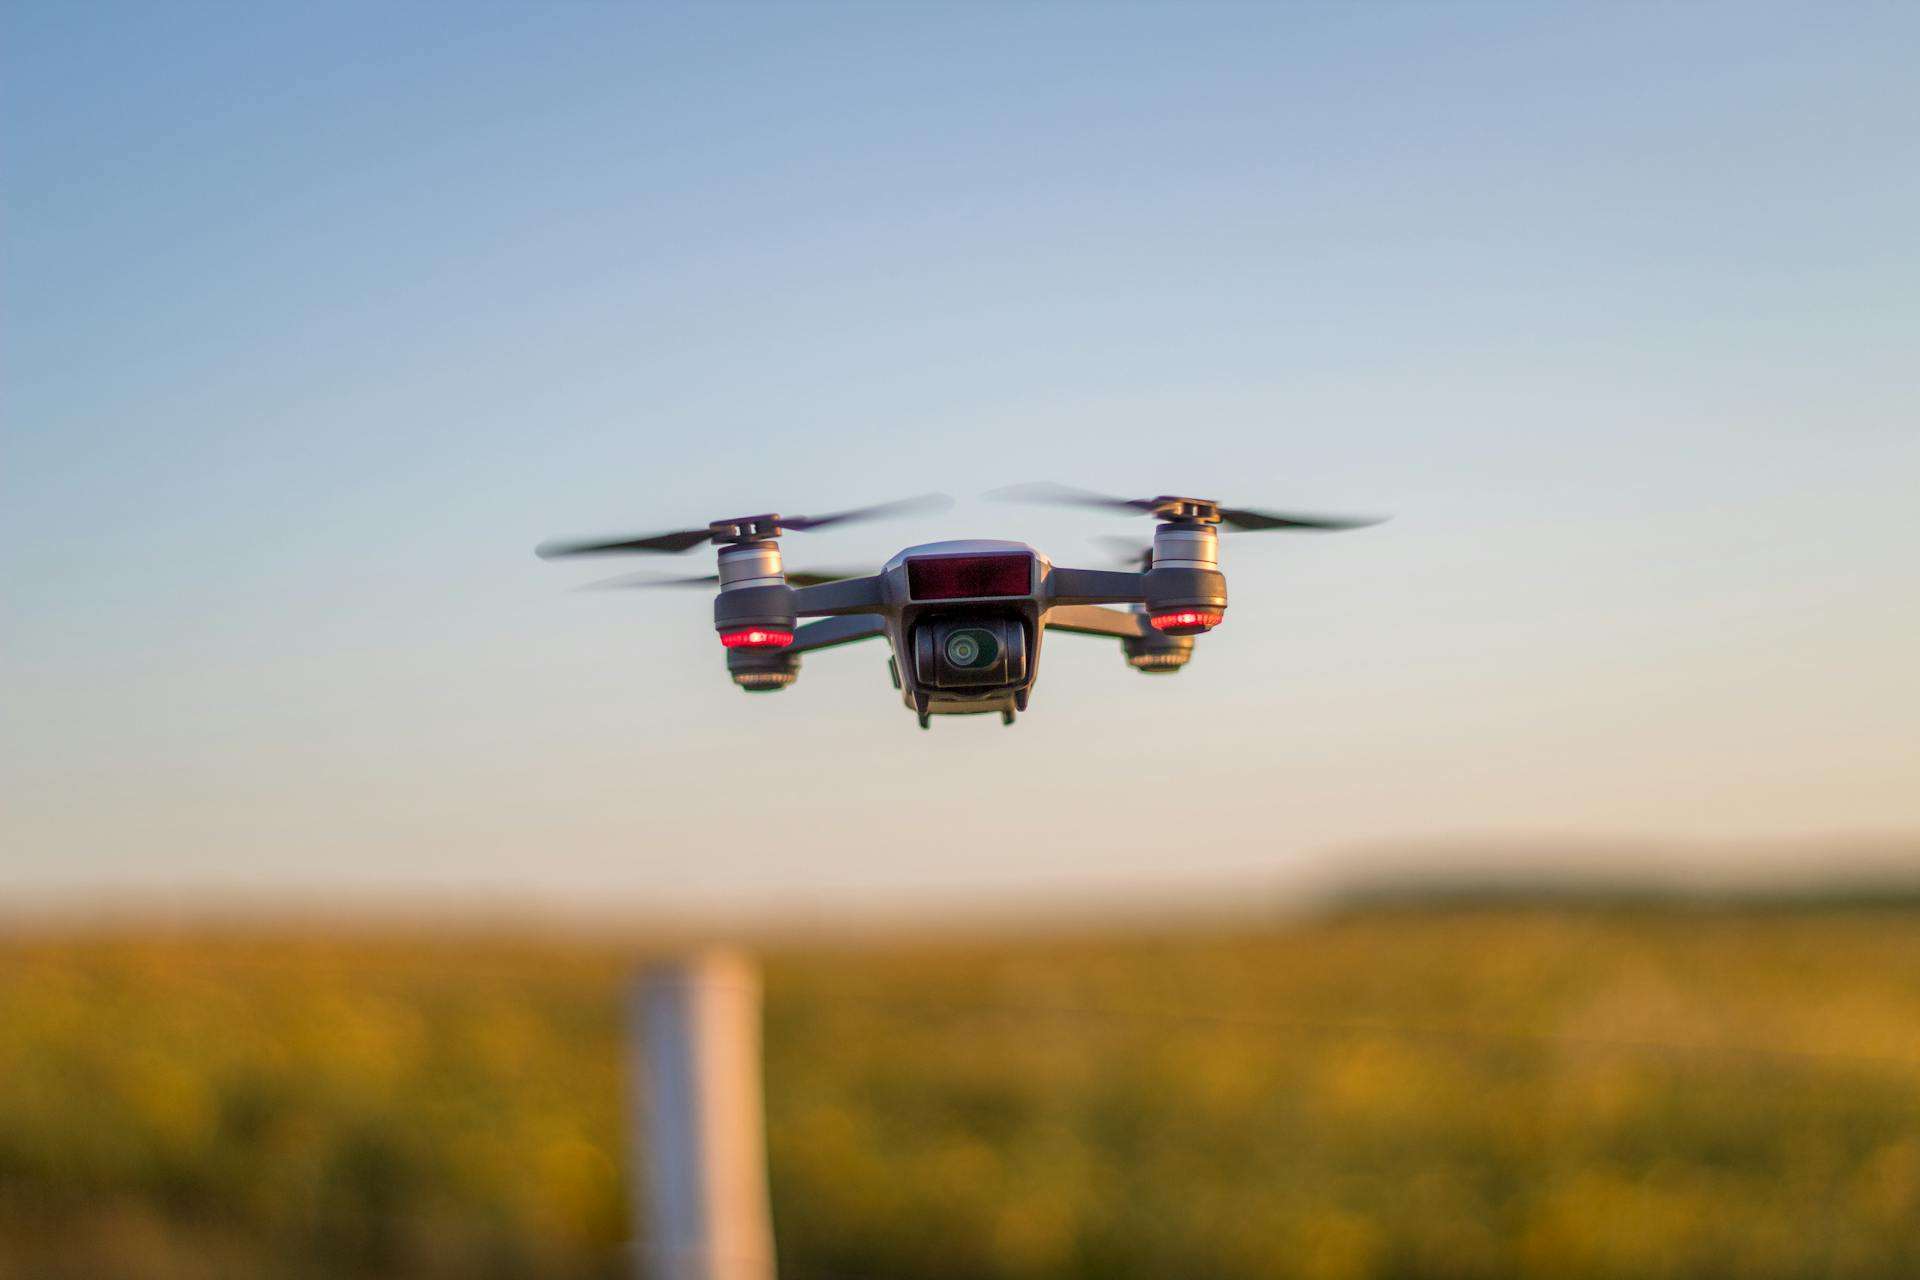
762	669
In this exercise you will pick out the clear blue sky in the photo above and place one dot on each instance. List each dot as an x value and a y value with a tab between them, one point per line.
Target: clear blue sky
314	320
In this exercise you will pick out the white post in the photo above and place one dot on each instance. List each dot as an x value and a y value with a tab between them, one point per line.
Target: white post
704	1203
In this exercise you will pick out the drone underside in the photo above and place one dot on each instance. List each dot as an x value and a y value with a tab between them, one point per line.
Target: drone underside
964	619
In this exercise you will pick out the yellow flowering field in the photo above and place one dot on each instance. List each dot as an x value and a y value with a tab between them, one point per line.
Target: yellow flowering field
1382	1092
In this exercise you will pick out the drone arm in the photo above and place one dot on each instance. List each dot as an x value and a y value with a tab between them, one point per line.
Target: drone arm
1092	620
1095	586
843	629
852	596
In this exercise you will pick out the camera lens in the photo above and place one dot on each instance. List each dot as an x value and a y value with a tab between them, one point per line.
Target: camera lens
969	655
971	648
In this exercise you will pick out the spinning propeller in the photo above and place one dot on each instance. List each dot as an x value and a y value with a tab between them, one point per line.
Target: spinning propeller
1169	507
740	529
795	578
1137	556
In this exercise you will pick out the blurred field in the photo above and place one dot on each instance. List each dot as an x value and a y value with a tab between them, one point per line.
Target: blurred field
1387	1092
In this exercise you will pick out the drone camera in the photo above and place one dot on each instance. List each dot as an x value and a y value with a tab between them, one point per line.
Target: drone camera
971	652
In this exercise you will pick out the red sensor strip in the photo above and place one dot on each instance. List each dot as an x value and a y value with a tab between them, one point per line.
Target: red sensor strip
969	577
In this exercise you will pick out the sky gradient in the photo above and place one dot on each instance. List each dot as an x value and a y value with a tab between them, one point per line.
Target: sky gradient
314	321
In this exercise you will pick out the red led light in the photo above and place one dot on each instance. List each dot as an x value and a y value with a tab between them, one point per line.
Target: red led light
756	638
968	577
1186	618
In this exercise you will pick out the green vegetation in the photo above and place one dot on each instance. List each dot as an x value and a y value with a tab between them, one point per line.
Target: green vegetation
1387	1092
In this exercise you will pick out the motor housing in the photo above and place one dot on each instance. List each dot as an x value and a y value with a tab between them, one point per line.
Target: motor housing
762	670
1157	653
1186	594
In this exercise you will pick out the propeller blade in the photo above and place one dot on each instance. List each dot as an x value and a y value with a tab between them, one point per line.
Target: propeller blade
1250	520
806	578
650	580
1061	495
798	578
1137	555
1243	518
679	540
688	539
880	511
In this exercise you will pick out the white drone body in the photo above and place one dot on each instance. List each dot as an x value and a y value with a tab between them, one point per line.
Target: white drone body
964	618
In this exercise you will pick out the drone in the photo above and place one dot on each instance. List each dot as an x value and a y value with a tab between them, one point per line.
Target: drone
965	618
